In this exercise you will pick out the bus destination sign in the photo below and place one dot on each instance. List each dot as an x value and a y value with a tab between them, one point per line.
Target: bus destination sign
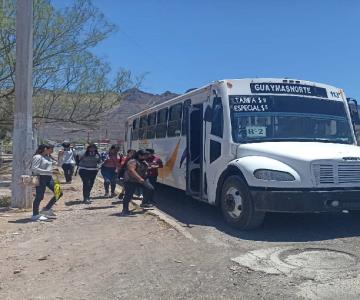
287	88
249	104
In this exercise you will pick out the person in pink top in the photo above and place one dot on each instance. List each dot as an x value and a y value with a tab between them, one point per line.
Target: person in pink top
154	163
109	170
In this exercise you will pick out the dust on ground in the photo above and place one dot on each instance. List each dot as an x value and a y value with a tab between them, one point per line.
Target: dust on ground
90	252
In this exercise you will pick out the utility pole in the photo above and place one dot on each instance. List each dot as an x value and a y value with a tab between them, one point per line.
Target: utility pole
22	134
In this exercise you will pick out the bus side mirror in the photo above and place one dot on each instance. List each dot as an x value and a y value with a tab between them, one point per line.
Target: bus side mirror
354	111
208	115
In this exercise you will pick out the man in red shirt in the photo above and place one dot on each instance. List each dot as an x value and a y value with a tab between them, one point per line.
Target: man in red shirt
154	163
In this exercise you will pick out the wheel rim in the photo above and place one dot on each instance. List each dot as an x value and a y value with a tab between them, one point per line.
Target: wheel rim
233	202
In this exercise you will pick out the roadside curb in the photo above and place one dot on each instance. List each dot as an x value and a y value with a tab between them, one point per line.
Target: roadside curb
167	219
159	215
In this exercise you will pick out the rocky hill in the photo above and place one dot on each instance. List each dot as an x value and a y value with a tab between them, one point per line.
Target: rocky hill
134	100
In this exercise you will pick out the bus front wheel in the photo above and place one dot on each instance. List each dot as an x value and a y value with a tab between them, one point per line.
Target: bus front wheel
237	205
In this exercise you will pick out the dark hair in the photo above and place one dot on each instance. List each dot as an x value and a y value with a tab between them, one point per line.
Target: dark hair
41	148
141	152
50	146
151	151
130	150
114	147
91	145
66	144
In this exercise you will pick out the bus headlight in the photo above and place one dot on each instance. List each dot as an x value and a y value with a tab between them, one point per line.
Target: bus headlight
273	175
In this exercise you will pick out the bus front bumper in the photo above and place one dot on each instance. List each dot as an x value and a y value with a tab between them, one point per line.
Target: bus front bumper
306	200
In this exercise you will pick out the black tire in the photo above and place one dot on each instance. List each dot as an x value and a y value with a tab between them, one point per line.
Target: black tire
242	216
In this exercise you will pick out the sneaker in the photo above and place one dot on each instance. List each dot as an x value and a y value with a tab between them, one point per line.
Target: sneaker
49	213
146	205
87	201
113	195
106	195
125	213
141	197
39	218
121	196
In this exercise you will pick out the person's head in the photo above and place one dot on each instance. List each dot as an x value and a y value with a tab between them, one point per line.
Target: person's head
66	145
130	153
142	154
151	151
91	150
51	149
114	149
42	149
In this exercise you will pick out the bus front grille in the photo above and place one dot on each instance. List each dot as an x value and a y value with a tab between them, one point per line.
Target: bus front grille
337	173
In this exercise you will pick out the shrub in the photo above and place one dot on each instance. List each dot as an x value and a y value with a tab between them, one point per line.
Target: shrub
5	201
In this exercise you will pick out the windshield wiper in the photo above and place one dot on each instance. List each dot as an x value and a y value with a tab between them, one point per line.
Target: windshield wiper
337	141
323	140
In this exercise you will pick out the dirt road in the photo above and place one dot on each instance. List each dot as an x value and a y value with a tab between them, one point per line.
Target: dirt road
90	252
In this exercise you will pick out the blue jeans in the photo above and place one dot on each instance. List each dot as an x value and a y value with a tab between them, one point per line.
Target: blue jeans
109	178
88	179
68	171
45	181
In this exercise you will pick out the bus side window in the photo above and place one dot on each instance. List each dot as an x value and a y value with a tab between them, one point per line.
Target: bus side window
186	106
135	130
151	121
161	125
143	127
174	124
217	123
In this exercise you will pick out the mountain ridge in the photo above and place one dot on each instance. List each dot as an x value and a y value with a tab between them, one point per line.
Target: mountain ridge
133	101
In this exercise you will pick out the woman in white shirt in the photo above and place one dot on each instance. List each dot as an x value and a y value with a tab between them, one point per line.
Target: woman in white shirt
41	165
67	159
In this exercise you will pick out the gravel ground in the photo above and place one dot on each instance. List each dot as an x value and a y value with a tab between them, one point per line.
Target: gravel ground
90	252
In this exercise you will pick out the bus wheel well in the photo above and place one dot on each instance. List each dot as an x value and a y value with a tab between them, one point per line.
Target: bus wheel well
230	171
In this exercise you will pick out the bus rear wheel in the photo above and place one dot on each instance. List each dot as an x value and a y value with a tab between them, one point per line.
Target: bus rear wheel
237	205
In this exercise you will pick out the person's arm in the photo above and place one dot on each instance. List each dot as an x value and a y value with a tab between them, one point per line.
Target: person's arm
132	170
60	155
158	164
53	158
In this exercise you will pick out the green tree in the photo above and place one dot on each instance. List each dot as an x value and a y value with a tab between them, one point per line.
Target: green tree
70	84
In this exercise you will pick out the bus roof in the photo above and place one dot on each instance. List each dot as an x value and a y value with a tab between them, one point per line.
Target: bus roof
234	82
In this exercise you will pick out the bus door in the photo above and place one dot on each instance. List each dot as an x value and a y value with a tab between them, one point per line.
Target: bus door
213	142
194	146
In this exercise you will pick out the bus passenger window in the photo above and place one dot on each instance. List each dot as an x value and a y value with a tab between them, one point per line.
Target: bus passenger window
151	121
135	130
143	127
174	124
161	124
217	123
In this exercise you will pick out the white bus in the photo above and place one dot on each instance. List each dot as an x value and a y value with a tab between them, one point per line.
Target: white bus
252	146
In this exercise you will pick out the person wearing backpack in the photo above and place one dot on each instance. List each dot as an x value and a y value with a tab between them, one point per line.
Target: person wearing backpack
155	163
41	166
123	165
88	168
66	159
135	177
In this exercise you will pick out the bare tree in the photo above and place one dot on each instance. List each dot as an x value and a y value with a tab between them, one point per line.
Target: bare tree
70	83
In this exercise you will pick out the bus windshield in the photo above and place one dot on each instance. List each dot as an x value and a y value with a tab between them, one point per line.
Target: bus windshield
258	118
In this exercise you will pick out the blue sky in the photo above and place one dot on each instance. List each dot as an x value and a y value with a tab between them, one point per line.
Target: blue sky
188	43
